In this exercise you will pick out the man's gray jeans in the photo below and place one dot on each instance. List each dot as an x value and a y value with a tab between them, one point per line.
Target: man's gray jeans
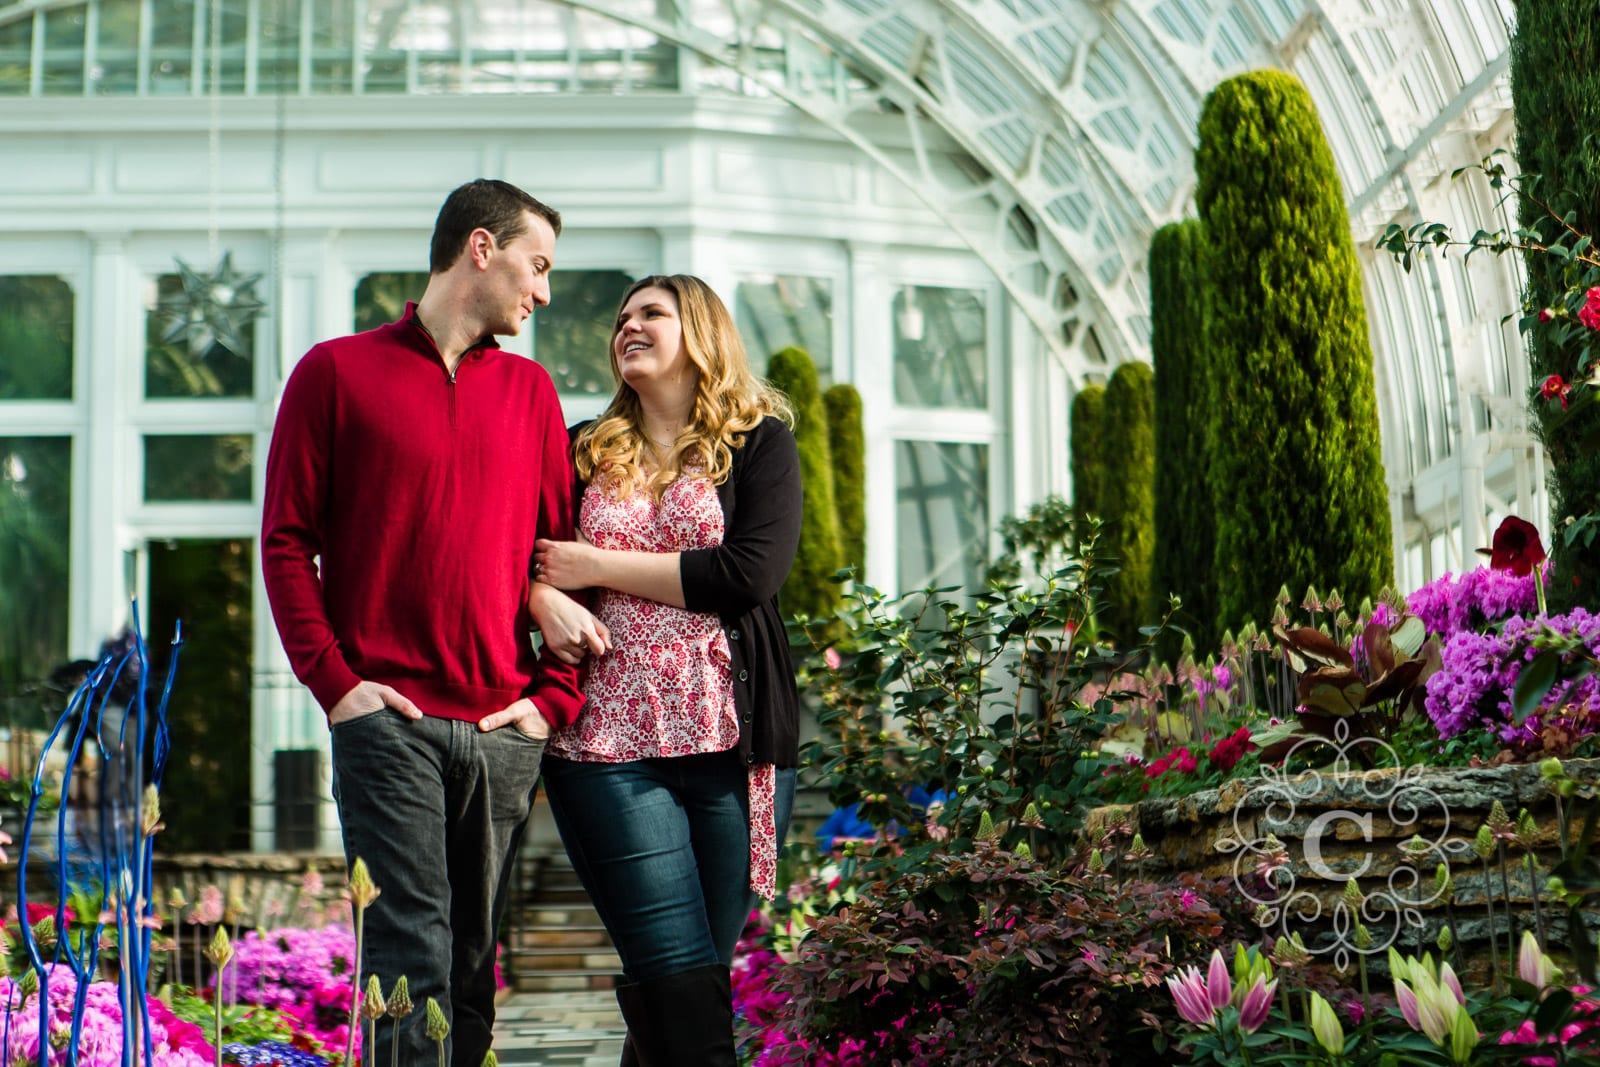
436	808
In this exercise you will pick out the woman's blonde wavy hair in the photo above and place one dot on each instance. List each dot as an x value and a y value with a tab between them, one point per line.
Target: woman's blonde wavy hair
729	400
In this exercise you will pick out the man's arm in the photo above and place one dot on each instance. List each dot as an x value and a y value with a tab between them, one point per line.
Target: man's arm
293	522
554	691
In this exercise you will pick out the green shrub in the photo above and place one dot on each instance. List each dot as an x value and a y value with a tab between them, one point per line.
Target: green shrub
1127	499
1555	85
847	444
810	589
1185	534
1292	449
1088	460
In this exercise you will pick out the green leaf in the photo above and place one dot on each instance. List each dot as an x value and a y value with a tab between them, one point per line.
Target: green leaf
1552	1011
1535	683
1409	635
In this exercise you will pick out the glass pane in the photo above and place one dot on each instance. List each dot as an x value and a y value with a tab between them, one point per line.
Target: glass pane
940	348
35	528
184	363
278	68
434	34
382	47
16	56
572	337
197	467
381	296
63	51
941	513
205	800
171	47
332	38
235	19
116	55
35	338
777	311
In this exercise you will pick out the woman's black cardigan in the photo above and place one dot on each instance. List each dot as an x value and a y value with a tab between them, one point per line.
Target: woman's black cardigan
738	580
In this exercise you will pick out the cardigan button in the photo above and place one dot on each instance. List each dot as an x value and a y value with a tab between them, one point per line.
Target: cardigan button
750	758
733	635
747	716
744	676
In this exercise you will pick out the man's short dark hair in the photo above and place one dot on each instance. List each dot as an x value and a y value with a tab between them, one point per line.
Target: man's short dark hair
497	206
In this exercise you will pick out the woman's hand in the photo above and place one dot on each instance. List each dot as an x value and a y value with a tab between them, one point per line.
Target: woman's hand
566	564
570	630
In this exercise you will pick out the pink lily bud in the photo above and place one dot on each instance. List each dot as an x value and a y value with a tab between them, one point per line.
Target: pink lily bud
1189	993
1448	980
1257	1003
1533	966
1219	986
1408	1003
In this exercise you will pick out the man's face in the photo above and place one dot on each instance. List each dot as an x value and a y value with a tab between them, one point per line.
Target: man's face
516	279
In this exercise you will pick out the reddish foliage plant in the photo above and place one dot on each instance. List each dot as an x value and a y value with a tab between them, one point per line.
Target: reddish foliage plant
988	957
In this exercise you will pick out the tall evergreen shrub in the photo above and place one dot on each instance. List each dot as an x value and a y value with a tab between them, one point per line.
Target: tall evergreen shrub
847	444
1185	535
1127	498
1292	446
1555	85
810	589
1088	460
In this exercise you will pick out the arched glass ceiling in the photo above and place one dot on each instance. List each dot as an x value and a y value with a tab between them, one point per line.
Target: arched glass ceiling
1076	118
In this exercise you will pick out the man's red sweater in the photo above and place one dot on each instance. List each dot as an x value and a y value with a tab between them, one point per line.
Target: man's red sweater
422	494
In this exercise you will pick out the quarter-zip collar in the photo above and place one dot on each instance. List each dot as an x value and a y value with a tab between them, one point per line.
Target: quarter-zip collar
429	347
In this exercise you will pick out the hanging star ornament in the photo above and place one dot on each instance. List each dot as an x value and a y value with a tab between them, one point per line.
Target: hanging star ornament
212	309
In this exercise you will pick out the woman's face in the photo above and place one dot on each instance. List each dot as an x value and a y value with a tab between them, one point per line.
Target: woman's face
648	344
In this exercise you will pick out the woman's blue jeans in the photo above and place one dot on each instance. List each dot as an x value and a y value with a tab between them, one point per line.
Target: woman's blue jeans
663	847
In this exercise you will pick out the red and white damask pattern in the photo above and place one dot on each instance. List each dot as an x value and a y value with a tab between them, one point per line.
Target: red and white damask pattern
666	686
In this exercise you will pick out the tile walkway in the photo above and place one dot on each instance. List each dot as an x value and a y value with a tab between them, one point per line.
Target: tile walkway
578	1029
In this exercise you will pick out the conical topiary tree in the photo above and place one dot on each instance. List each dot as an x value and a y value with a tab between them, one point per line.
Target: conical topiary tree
847	444
1185	536
1292	449
1127	498
1555	85
810	589
1088	459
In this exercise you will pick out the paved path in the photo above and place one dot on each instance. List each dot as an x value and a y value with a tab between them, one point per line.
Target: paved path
559	1030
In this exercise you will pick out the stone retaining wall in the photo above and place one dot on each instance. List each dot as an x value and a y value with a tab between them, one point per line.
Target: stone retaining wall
1335	827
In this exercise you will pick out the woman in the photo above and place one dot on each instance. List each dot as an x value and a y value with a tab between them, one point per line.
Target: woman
672	790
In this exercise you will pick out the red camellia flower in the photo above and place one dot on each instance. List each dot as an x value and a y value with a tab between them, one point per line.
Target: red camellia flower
1517	547
1178	762
1555	387
1590	315
1231	749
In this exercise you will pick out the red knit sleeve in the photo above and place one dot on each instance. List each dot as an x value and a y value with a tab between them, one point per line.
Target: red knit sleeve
555	688
293	525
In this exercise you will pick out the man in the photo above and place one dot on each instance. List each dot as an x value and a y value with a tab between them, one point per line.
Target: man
418	463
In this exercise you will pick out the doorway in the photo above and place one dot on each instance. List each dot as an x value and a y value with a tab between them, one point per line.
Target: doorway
205	582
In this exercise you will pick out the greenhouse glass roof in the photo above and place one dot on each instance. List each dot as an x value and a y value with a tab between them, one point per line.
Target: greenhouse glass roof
1077	118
